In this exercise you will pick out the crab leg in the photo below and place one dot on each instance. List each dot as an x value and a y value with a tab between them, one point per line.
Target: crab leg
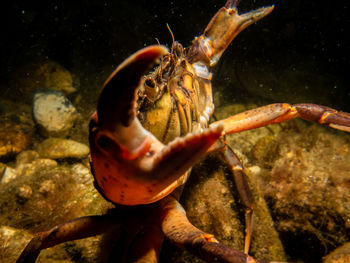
280	112
71	230
182	233
146	247
221	30
241	182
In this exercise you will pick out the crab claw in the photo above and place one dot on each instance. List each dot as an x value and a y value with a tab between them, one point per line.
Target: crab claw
116	108
221	30
130	165
117	101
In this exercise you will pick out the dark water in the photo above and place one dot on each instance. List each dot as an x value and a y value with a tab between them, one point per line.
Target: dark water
296	54
92	35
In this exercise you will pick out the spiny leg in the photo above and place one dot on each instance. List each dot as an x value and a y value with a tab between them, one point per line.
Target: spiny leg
78	228
280	112
181	232
241	182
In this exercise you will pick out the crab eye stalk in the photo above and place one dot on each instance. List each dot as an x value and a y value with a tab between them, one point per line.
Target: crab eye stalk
151	89
149	83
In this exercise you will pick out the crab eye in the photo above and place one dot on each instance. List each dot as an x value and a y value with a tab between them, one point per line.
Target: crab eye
151	89
150	83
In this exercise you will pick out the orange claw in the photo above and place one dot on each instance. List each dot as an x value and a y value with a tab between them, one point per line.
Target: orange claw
221	30
139	151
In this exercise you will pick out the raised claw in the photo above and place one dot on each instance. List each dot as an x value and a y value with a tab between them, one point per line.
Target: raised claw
221	30
117	101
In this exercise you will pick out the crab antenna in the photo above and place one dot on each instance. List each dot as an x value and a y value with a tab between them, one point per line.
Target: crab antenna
157	41
172	37
171	32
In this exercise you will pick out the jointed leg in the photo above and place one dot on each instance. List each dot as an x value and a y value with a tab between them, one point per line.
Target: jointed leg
146	246
241	181
75	229
279	112
182	233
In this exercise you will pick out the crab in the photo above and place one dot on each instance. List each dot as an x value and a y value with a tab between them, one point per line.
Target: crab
149	129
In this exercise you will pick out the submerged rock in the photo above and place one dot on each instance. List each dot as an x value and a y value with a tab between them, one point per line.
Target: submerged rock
43	195
14	138
54	113
304	174
57	148
54	76
49	74
308	190
26	168
340	255
26	157
212	204
12	240
8	174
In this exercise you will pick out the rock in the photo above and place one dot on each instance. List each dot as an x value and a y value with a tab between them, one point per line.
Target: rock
54	76
28	169
302	171
25	192
83	173
42	196
8	175
16	128
26	157
54	113
308	190
57	148
12	241
212	204
14	138
47	187
340	255
32	77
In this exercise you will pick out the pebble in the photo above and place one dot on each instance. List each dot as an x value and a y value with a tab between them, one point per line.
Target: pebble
8	175
83	174
26	157
48	186
58	148
25	192
14	137
28	169
255	170
54	76
54	113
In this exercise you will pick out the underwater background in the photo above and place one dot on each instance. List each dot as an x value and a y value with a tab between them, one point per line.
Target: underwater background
301	171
